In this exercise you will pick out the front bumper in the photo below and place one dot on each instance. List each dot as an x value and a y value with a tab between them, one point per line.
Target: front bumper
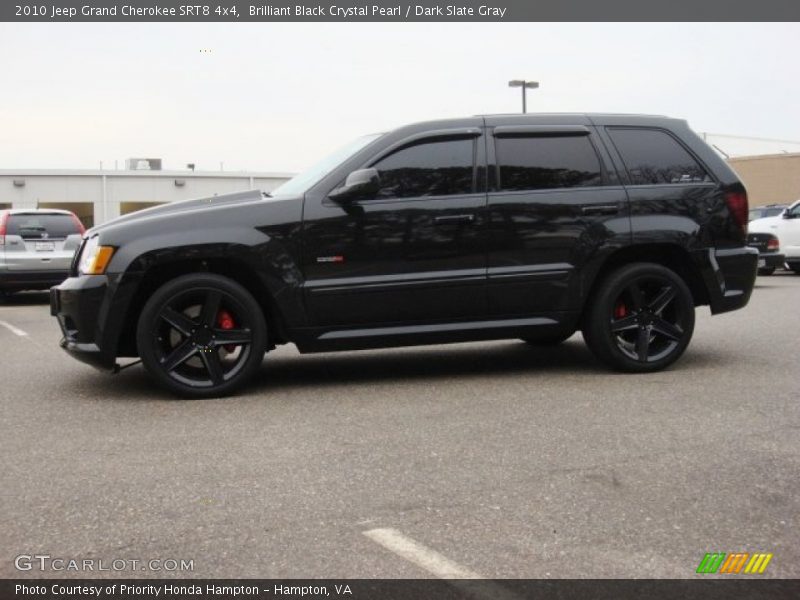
79	303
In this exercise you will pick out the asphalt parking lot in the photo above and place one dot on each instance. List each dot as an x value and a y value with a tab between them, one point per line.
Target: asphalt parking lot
503	460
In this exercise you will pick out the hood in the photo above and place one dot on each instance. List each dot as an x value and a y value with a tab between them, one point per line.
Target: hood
171	208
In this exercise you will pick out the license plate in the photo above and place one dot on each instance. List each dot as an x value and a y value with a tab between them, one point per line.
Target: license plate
762	262
45	246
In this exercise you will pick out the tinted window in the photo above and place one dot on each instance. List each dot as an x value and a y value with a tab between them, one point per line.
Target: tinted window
653	156
537	163
33	226
437	168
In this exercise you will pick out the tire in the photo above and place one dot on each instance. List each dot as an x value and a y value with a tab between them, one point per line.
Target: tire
640	319
201	336
548	340
766	271
794	267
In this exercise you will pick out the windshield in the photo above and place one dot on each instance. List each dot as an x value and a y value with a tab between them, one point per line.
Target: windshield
306	179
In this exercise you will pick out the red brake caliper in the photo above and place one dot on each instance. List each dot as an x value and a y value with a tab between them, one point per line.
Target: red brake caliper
620	311
225	321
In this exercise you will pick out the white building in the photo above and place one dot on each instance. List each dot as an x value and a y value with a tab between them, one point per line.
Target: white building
99	195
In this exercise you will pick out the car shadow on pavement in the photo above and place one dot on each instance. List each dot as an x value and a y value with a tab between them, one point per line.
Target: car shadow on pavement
423	362
400	365
294	371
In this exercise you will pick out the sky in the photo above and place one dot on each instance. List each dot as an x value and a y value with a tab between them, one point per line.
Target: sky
275	97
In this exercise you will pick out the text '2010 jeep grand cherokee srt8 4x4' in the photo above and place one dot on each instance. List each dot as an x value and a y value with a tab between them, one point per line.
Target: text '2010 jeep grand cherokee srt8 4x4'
490	227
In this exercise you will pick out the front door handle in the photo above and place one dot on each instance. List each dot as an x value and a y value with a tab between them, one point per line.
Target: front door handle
454	219
600	209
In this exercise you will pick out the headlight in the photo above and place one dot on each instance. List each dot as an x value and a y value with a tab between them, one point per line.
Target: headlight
95	258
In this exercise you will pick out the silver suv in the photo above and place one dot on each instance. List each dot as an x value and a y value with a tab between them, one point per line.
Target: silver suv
36	247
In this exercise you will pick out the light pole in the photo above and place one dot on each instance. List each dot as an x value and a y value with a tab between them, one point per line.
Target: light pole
521	83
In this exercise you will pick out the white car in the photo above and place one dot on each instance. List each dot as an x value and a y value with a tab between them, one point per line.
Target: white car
787	227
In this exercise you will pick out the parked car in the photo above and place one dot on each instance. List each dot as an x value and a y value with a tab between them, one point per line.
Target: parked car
769	210
489	227
787	229
36	247
769	255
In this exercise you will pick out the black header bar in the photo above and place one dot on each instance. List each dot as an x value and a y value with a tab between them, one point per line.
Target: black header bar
234	11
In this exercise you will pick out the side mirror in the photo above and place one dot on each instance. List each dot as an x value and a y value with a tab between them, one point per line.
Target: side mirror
787	215
359	184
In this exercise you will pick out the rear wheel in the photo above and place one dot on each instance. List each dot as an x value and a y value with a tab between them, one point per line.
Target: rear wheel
641	318
794	267
201	335
766	271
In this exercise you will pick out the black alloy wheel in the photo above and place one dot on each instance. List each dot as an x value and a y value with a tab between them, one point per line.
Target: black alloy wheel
201	335
641	319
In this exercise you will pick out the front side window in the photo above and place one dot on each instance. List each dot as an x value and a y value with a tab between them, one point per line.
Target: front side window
428	168
655	157
540	163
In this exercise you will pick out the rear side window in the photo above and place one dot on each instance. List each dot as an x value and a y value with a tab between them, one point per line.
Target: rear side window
434	168
655	157
540	163
35	225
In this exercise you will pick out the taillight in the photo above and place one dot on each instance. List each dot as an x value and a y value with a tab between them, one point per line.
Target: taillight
3	221
737	205
78	224
773	244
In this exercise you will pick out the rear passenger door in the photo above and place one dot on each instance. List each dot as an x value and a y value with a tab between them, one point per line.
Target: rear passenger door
554	203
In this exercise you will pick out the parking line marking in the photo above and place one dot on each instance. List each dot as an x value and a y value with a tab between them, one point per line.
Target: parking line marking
437	564
12	329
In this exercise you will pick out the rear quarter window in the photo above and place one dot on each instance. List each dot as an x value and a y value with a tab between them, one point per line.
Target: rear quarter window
33	226
652	156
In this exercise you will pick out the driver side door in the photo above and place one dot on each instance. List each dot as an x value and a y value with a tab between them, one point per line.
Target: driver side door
413	252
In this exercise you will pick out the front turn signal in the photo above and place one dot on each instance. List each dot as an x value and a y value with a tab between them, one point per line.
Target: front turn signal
95	259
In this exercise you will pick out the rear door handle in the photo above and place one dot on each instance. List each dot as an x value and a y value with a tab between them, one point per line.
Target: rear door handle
600	209
454	219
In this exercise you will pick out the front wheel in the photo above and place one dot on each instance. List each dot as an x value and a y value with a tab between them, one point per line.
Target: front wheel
640	319
201	335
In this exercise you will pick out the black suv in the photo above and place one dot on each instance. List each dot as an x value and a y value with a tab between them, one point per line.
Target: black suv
489	227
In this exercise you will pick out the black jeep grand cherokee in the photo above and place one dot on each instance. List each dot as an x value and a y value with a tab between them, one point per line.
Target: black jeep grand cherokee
523	226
